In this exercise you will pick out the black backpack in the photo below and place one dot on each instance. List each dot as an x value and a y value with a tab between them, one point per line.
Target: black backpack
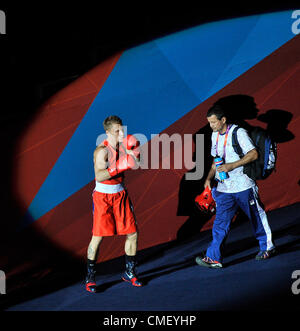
267	153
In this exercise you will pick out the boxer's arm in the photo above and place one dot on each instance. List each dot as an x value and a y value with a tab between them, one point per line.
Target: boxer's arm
100	164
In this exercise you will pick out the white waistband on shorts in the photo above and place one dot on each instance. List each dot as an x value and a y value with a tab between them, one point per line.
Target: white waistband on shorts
107	188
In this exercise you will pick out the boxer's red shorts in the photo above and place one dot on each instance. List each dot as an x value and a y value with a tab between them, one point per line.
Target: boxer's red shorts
112	214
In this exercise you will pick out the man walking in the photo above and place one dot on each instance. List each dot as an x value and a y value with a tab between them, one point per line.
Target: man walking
237	190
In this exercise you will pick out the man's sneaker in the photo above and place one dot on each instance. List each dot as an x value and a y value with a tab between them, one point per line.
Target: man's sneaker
90	282
263	255
208	262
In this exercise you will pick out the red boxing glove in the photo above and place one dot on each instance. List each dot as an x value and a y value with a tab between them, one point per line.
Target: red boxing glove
131	143
124	163
205	201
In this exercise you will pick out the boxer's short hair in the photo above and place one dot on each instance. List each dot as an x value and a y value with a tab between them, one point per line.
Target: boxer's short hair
110	120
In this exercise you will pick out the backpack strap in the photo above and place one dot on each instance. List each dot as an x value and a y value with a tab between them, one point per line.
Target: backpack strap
235	144
257	133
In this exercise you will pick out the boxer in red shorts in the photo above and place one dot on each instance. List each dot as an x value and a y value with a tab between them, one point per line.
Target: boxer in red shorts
113	211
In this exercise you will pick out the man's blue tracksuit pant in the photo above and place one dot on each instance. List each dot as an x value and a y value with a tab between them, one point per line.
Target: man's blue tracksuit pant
226	207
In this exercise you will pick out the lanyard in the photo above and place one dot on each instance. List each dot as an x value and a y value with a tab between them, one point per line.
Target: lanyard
225	141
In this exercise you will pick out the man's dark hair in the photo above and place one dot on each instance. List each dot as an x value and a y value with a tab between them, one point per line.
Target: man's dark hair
216	110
